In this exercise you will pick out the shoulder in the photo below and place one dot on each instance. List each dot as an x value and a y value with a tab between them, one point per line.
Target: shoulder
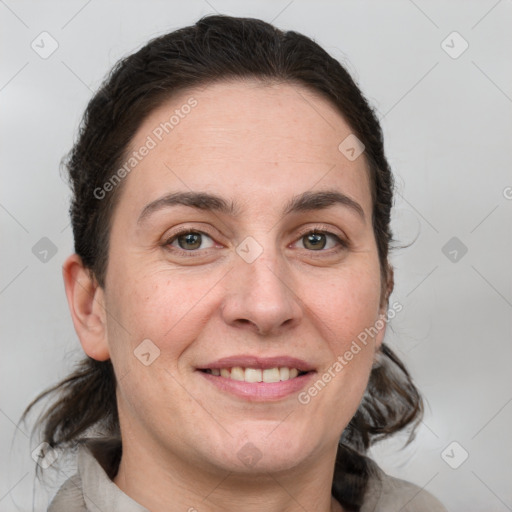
388	494
69	497
91	488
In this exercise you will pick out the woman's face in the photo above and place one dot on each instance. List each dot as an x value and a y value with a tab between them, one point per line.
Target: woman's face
250	286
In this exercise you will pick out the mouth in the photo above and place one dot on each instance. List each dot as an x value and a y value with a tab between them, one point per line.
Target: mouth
267	375
258	379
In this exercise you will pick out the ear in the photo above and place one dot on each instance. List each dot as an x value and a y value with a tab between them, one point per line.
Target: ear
387	287
86	302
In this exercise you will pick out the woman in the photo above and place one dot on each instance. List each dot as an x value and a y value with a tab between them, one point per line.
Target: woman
230	286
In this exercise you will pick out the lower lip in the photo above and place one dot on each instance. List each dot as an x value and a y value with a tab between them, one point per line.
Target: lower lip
260	391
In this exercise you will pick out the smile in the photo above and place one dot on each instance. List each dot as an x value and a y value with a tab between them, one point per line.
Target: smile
267	375
232	381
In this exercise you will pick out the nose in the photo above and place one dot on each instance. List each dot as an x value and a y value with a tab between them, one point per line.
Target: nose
261	297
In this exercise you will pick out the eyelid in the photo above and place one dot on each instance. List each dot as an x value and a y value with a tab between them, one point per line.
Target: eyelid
320	228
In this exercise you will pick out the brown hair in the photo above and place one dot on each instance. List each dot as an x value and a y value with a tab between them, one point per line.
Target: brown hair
218	48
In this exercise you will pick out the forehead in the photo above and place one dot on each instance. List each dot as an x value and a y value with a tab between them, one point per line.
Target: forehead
245	136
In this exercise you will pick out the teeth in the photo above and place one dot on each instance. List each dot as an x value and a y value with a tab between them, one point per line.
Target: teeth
284	373
237	373
271	375
255	374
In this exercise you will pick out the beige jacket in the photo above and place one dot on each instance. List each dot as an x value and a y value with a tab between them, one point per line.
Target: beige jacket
91	490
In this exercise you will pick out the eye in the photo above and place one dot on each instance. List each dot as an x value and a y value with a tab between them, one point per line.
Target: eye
190	240
316	240
193	241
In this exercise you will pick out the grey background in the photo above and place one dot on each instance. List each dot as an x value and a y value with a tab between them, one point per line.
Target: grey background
448	126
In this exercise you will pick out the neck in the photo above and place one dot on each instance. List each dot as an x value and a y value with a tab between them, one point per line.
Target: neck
168	483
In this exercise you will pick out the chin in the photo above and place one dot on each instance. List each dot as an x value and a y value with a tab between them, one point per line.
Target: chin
263	453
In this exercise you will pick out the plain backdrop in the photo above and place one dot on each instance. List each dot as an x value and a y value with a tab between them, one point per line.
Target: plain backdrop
439	75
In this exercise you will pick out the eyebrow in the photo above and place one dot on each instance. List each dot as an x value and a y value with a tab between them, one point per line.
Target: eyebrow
308	201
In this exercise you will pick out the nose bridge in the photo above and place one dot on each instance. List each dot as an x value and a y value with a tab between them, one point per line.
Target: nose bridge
260	291
265	278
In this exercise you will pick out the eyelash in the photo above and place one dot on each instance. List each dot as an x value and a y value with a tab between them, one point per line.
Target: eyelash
194	253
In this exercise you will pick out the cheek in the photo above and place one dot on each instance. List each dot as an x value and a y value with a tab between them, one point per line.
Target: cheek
348	305
169	310
347	314
155	322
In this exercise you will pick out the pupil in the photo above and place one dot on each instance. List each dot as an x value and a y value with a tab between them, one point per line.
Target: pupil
317	240
190	239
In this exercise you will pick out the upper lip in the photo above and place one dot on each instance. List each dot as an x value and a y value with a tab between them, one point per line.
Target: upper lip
248	361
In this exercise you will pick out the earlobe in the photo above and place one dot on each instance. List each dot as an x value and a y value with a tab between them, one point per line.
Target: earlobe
86	304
